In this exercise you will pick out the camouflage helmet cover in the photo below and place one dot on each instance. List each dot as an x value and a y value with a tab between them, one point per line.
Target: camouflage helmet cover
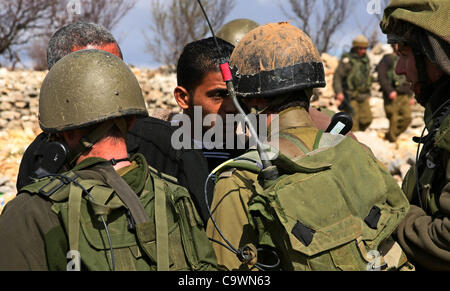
273	59
235	30
423	25
88	87
431	15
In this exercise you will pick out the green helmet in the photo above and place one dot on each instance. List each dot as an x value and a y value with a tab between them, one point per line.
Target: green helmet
274	59
360	41
88	87
235	30
430	15
423	25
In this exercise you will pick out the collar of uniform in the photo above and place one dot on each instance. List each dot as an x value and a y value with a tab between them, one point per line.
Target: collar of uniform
438	97
291	118
135	177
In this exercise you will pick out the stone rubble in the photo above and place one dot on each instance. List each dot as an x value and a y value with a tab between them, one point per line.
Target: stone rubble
19	95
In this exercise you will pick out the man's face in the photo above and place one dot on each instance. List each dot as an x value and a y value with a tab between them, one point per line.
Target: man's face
406	65
212	95
108	47
361	51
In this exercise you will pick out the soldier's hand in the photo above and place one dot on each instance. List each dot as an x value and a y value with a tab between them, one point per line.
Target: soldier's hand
393	95
340	97
412	101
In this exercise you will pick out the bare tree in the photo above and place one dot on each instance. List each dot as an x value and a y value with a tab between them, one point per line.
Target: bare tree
327	16
175	23
20	22
105	12
371	28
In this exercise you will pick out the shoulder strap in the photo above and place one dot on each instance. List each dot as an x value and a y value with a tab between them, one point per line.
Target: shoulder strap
162	230
125	193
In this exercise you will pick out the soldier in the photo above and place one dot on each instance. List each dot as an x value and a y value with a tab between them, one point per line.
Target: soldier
397	95
352	82
324	209
89	100
149	136
422	31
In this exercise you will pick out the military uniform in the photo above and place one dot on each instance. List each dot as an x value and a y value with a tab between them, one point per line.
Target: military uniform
352	78
425	232
236	200
398	111
43	231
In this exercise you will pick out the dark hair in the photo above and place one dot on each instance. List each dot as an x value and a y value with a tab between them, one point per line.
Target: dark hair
199	58
76	34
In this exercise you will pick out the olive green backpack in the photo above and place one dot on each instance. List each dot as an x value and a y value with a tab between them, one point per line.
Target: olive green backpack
165	234
333	208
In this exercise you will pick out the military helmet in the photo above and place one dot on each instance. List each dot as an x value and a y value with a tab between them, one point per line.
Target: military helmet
235	30
360	41
273	59
88	87
423	25
400	16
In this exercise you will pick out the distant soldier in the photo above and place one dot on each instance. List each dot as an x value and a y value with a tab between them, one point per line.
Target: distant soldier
352	82
421	29
397	95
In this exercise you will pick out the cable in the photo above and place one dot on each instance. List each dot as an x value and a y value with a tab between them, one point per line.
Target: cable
271	174
228	245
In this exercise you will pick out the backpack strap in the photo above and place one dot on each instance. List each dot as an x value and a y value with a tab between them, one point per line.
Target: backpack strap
75	195
125	193
162	230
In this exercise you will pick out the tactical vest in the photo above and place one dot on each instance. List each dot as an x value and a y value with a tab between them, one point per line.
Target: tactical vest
166	233
428	176
324	212
358	80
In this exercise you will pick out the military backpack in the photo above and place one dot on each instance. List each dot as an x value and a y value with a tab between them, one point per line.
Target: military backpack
333	208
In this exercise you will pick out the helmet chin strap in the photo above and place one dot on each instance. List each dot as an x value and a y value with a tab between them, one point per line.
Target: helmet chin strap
423	77
99	132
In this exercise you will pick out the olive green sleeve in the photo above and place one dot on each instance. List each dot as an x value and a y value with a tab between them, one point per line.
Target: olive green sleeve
339	76
229	209
426	239
23	225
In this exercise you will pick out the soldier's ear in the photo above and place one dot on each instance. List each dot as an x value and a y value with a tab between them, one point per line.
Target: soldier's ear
182	97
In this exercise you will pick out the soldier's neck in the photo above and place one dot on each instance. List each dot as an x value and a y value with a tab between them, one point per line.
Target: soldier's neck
108	148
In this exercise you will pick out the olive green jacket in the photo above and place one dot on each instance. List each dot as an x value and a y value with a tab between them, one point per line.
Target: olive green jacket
35	236
425	233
